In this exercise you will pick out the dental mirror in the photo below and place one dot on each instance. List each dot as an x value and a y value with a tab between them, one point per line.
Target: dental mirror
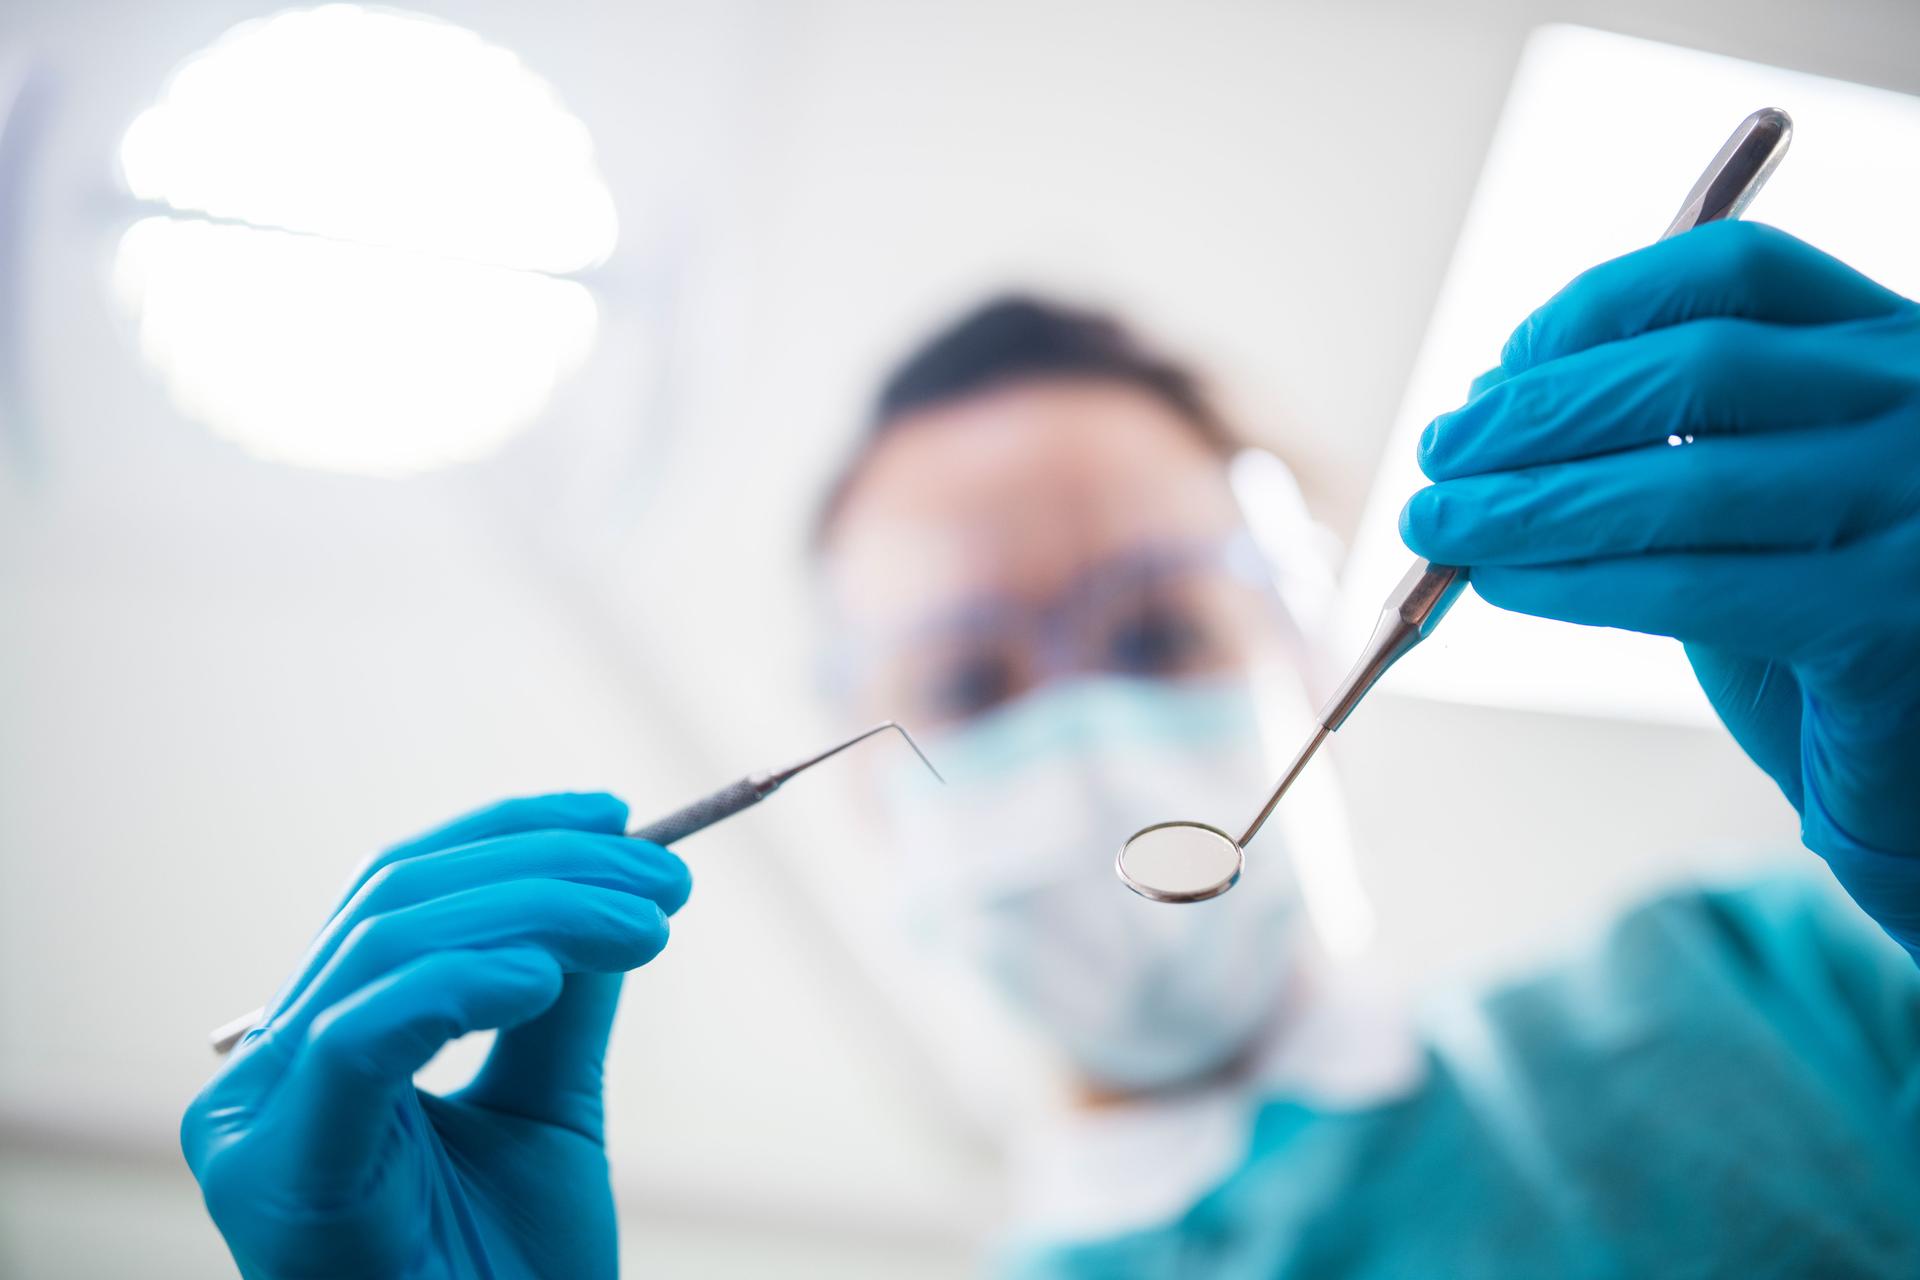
1180	862
1191	861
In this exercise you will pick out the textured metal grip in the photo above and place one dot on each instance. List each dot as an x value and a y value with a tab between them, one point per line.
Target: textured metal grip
703	812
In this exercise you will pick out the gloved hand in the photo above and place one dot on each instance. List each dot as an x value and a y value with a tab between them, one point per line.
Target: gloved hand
316	1154
1780	541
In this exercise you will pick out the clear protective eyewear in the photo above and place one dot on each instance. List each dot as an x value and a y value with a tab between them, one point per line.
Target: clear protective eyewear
1162	611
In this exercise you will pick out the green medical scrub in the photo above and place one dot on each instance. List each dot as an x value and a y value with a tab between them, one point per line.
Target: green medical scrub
1726	1087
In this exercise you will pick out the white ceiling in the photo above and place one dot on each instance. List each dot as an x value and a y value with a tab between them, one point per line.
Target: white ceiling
223	681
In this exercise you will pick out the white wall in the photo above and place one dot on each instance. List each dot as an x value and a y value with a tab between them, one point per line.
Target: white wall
222	682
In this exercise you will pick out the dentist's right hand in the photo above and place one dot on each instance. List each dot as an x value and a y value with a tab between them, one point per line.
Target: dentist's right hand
315	1152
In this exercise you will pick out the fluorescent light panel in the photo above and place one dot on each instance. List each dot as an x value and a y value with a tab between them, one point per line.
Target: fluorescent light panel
1600	138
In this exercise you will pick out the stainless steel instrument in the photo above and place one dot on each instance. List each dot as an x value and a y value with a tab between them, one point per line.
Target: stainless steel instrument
1193	861
681	823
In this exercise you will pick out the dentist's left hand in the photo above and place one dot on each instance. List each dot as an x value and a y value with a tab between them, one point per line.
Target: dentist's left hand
316	1154
1781	543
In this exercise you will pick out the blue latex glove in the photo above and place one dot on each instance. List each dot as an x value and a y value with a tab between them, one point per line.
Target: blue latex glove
316	1154
1782	544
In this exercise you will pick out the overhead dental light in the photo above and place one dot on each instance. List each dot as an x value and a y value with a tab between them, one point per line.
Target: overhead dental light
365	235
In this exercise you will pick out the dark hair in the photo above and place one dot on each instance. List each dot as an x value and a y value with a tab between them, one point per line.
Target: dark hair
1018	338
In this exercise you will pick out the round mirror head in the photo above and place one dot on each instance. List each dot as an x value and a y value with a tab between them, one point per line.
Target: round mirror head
1180	862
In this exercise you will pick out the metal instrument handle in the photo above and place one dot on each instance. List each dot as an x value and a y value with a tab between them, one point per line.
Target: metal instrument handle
706	811
1724	189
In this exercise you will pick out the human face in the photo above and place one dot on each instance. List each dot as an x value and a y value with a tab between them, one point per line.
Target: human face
1041	530
1062	534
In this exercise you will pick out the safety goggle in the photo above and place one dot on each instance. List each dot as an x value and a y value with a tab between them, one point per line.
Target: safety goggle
1162	612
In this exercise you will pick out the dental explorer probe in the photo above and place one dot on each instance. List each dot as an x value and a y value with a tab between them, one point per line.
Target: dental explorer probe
1414	608
678	825
1186	861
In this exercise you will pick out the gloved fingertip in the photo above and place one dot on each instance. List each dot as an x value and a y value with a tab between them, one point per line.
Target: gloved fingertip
1486	382
1419	519
1516	353
655	933
594	810
675	877
1426	455
1446	438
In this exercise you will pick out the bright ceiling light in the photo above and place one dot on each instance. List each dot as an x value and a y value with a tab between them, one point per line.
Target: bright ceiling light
1600	139
372	216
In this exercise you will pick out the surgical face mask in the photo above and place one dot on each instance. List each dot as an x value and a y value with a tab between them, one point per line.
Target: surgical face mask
1011	868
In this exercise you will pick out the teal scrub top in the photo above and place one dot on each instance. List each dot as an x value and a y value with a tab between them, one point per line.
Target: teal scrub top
1727	1086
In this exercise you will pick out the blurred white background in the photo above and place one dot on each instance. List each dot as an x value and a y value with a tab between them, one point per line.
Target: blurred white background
223	680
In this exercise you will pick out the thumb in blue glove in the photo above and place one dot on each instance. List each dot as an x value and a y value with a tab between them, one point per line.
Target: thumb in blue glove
316	1154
